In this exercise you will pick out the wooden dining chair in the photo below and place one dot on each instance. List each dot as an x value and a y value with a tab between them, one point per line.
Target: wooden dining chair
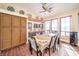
58	39
53	43
33	45
57	42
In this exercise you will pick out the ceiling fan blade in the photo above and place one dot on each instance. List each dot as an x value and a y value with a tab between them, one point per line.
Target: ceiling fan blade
44	8
50	8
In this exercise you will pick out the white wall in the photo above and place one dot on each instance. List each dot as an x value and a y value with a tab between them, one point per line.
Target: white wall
17	8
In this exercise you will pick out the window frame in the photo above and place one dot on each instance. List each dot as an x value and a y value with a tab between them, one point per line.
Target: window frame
65	27
57	24
49	26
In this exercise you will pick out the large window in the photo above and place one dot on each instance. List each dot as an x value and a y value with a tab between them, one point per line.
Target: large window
65	26
54	25
47	26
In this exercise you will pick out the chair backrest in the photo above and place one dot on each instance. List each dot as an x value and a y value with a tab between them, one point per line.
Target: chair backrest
33	43
57	38
52	41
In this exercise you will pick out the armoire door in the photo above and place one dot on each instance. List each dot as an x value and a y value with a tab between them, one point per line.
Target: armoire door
5	31
23	22
23	30
5	20
15	37
15	31
15	21
5	38
23	36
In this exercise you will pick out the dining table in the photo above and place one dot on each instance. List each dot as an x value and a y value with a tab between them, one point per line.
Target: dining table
43	40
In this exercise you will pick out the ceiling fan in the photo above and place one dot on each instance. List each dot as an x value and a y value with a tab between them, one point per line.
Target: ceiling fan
47	8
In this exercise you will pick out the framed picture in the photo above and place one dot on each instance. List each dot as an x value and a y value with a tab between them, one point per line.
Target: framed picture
34	25
37	26
29	25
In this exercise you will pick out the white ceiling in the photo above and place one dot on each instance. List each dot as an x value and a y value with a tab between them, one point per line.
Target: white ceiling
58	7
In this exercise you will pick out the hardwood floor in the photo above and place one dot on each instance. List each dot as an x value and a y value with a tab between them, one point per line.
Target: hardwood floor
63	50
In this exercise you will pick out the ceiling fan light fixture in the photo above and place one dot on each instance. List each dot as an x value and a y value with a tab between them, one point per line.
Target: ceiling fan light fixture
46	12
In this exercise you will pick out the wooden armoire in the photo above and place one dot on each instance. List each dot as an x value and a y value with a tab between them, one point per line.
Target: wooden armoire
12	31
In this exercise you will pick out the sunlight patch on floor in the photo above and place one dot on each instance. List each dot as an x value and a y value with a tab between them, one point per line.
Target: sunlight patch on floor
69	49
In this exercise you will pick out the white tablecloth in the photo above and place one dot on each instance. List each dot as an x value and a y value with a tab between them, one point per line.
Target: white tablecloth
43	40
